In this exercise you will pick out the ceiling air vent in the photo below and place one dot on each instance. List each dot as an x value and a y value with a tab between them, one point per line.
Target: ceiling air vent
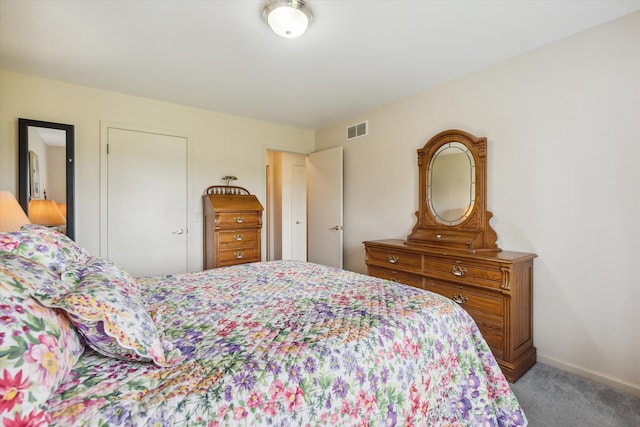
358	130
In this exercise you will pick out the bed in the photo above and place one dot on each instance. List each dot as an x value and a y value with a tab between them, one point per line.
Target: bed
280	343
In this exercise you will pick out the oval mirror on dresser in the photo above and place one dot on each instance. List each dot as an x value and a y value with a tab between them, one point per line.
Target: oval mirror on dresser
452	250
451	184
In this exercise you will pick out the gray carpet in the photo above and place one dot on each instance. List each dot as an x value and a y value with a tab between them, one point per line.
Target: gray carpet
552	397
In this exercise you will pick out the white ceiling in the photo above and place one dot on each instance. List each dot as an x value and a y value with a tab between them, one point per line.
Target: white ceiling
220	55
56	137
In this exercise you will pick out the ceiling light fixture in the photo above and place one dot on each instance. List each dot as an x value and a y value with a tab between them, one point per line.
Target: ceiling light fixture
287	18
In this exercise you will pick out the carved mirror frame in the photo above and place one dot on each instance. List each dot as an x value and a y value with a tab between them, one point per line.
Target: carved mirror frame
471	234
23	167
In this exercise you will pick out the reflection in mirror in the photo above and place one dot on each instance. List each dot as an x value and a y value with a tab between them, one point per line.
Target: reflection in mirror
46	172
451	189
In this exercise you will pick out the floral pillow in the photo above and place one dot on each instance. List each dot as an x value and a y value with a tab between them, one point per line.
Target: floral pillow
38	345
109	270
107	311
43	245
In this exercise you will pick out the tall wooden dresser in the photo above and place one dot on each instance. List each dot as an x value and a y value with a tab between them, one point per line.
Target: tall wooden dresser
452	250
232	226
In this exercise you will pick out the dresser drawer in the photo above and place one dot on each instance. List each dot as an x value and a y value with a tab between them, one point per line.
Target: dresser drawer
396	276
464	271
486	308
236	219
395	259
237	238
238	256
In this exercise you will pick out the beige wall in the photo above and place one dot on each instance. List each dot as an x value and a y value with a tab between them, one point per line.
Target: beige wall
56	173
219	144
563	129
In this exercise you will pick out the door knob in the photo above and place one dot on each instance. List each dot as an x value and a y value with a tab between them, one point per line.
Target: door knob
337	227
178	231
298	222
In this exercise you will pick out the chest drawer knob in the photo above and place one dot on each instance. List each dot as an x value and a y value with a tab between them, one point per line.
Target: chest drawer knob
238	237
459	298
456	270
238	255
393	259
239	219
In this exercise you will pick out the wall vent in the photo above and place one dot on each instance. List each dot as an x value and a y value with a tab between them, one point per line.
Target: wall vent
358	130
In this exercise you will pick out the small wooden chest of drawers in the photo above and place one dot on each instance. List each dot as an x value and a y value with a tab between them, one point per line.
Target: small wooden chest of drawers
496	289
232	229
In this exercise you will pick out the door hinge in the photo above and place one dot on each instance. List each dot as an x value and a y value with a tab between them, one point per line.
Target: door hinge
107	148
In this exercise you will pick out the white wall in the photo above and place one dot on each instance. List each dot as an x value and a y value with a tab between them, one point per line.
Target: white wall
563	129
219	144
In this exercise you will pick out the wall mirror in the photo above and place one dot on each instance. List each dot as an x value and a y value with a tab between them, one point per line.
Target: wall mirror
452	210
46	172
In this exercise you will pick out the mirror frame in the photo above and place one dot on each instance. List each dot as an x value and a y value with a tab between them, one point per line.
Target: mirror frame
472	234
23	166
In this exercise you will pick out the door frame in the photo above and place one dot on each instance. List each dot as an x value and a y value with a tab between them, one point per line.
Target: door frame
104	136
265	148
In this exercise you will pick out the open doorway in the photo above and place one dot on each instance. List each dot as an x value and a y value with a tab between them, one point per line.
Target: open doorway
286	206
304	200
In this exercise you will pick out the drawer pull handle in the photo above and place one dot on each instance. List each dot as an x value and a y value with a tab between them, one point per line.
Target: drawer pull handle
393	259
238	255
456	270
238	237
459	298
239	219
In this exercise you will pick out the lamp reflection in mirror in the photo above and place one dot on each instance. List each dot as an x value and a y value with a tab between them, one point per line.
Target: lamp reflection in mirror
12	217
45	212
287	18
63	208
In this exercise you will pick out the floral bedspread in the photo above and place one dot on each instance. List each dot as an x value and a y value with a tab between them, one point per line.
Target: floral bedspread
295	344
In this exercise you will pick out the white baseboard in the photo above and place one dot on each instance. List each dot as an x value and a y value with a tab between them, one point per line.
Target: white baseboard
594	376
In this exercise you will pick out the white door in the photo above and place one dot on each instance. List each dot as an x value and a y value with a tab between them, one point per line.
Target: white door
324	207
299	213
146	197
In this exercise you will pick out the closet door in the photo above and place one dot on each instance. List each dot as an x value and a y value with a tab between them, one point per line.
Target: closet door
146	201
299	213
